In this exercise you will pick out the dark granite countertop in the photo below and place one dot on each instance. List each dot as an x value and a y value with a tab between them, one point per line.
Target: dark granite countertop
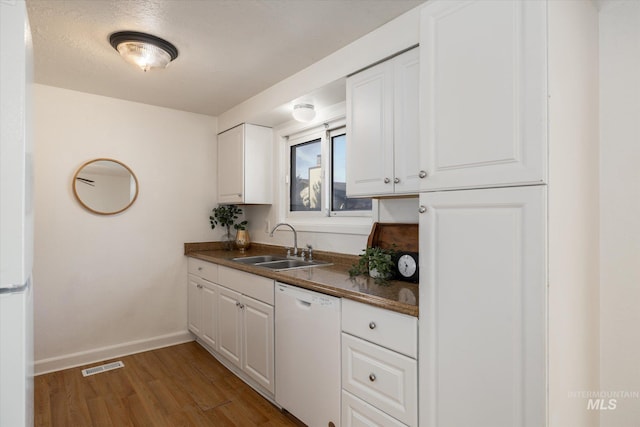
398	296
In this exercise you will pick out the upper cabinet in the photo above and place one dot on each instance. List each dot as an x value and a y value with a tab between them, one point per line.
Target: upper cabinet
244	165
382	121
483	89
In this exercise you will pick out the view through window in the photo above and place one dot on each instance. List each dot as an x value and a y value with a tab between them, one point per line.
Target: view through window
318	184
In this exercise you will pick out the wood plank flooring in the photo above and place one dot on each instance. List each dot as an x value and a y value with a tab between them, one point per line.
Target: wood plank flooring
182	385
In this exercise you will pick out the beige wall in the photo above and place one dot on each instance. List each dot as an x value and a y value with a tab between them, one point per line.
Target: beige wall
109	285
620	208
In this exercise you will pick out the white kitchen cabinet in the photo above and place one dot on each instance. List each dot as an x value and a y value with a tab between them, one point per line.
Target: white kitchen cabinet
382	122
358	413
230	326
258	342
246	324
483	88
482	307
245	165
247	335
380	385
509	275
202	301
194	304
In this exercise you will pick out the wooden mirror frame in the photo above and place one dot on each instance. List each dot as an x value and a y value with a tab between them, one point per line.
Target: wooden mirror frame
93	210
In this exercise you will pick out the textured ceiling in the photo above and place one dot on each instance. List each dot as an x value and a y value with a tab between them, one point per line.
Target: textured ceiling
229	50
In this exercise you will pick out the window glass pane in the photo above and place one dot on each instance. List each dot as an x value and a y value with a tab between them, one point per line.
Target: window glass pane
339	199
306	188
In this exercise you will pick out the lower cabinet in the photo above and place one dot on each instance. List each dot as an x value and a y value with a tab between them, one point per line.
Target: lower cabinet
379	367
234	318
202	301
230	328
356	413
246	335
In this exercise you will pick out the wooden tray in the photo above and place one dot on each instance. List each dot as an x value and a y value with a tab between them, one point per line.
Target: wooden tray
384	235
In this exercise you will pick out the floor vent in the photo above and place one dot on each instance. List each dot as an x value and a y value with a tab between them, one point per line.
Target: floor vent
102	368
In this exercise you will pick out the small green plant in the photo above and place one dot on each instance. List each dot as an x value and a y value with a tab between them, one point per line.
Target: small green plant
226	216
375	260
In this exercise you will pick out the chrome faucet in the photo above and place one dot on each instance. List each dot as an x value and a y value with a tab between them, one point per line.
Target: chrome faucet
295	236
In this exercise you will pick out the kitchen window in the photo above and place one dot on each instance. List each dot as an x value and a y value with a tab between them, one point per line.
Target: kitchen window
316	178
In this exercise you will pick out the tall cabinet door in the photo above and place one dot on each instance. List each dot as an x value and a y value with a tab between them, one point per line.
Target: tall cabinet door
231	165
230	325
370	124
406	114
194	304
209	301
483	91
482	308
258	342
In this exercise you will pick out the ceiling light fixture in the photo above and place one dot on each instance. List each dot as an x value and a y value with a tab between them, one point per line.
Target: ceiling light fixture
143	50
303	112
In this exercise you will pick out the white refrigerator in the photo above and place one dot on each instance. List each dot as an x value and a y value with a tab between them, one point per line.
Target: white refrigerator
16	217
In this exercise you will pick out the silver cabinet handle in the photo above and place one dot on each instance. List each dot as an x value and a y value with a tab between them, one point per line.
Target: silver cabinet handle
237	304
239	194
422	209
396	180
422	174
199	268
372	325
372	377
387	180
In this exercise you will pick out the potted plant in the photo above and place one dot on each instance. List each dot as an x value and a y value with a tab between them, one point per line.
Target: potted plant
375	262
226	216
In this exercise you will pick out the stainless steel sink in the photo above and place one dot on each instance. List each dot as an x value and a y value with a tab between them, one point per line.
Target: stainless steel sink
259	259
290	264
279	263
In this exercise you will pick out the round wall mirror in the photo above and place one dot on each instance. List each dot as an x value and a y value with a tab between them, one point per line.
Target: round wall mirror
105	186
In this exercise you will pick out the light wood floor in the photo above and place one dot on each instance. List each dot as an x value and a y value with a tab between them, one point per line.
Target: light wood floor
181	385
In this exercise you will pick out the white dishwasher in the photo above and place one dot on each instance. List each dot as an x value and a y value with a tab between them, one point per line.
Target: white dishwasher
308	355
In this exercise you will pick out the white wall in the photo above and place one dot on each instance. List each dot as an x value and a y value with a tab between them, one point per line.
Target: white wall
573	235
109	285
620	208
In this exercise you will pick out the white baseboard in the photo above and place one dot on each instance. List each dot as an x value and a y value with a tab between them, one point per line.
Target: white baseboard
103	353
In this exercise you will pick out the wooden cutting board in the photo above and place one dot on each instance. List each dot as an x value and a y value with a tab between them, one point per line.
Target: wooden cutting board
384	235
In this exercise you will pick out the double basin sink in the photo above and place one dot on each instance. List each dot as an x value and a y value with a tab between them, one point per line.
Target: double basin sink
278	263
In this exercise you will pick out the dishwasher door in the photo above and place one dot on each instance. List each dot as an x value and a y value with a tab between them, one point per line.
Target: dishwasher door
308	355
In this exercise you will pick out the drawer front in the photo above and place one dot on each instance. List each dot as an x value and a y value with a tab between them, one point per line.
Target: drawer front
396	331
381	377
358	413
257	287
204	269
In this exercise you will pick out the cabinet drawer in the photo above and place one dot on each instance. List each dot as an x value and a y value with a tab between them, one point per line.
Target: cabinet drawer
257	287
204	269
393	330
381	377
357	413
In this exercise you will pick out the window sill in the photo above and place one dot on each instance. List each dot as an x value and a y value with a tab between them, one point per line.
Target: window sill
335	225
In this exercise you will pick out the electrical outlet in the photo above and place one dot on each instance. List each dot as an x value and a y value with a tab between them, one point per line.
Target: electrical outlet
267	226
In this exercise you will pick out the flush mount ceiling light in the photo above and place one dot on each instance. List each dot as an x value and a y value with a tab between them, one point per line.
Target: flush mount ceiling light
143	50
303	112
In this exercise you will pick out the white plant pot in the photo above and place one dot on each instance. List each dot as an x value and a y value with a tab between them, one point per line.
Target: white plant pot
374	273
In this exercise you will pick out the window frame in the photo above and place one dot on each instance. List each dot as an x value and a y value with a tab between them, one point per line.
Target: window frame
343	222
